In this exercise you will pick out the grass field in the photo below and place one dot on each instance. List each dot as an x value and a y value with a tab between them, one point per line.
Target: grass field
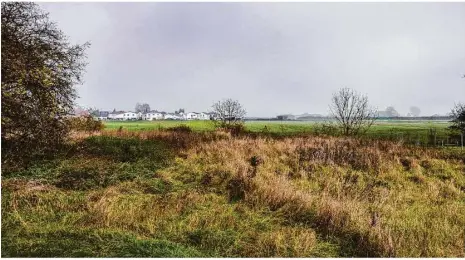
412	131
274	126
159	193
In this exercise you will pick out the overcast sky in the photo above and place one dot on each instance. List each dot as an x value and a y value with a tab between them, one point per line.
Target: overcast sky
274	58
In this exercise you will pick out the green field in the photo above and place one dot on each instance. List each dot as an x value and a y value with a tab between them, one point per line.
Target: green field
275	126
409	130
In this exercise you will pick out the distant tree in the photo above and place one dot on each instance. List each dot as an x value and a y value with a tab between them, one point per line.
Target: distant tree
143	108
458	121
392	112
181	110
80	111
352	112
40	68
415	111
95	112
228	112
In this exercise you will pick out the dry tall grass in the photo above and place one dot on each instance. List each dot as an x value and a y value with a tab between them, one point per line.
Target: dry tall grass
262	197
387	199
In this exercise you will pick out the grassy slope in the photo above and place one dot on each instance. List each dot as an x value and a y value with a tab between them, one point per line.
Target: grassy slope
125	196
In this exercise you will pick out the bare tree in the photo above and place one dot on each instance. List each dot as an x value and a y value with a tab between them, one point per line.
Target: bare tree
228	111
352	111
415	111
392	112
93	111
144	108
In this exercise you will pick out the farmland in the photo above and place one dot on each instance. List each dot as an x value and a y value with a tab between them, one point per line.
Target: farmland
384	129
275	126
148	191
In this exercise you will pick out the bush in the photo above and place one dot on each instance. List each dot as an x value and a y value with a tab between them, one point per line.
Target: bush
126	149
327	129
85	123
233	129
40	68
180	128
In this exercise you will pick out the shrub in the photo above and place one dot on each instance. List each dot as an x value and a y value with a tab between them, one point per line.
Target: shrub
327	129
233	129
180	128
40	68
126	149
86	123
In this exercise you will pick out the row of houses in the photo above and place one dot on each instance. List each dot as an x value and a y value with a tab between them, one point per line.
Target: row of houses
153	115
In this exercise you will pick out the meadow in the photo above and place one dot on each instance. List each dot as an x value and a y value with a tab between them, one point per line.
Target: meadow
148	190
411	131
275	126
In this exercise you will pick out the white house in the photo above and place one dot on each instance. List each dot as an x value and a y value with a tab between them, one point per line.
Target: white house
212	115
116	115
103	115
152	115
182	115
130	116
171	116
191	116
156	115
203	116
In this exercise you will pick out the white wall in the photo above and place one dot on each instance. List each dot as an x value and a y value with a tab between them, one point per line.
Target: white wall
130	116
203	116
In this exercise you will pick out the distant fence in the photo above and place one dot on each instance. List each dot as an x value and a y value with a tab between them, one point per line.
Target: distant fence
421	137
326	118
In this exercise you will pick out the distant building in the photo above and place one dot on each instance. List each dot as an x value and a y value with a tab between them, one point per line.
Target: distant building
172	116
191	116
131	116
286	117
156	115
212	115
203	116
383	114
152	115
103	115
116	115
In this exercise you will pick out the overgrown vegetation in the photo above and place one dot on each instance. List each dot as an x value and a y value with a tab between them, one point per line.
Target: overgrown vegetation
206	194
85	123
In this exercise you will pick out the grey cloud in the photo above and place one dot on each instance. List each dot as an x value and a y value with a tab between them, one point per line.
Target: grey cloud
273	57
